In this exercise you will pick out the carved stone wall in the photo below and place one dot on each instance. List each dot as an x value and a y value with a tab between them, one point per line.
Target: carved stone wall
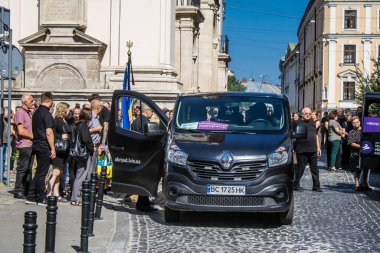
67	13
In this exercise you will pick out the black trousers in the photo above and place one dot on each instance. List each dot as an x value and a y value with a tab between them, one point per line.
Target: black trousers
24	170
303	159
72	172
37	187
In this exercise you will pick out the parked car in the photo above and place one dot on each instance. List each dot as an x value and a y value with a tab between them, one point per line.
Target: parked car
221	152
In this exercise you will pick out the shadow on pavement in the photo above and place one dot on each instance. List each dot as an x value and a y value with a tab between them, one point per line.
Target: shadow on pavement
76	248
341	187
202	219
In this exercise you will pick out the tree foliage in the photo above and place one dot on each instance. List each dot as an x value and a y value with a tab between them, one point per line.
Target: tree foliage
234	84
367	83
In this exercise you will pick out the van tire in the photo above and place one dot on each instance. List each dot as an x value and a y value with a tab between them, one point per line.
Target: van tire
286	218
172	215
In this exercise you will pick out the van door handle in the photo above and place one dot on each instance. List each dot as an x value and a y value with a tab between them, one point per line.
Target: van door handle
117	148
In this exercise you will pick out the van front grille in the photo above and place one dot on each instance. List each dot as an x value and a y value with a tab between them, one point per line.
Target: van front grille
238	172
203	200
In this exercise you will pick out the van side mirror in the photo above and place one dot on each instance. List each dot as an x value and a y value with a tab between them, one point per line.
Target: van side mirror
300	132
152	129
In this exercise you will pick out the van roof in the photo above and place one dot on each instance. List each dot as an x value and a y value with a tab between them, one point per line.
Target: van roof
239	94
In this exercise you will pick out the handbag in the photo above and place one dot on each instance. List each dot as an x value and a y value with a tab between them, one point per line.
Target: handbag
61	145
78	151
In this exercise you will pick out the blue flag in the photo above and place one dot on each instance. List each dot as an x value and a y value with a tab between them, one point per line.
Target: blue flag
127	102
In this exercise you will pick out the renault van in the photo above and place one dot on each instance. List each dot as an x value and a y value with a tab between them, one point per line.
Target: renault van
221	152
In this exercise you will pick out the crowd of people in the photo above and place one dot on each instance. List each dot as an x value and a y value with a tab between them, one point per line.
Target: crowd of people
36	128
339	132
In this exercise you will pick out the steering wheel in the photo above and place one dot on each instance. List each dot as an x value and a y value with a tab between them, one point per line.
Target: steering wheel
260	121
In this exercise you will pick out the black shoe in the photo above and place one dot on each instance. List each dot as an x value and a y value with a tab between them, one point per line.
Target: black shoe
42	202
297	189
317	189
19	195
146	209
31	201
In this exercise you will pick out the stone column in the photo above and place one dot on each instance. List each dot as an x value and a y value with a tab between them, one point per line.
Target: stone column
332	18
206	48
187	27
368	19
367	57
332	74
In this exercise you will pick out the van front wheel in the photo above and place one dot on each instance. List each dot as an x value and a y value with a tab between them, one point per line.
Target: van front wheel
171	215
286	218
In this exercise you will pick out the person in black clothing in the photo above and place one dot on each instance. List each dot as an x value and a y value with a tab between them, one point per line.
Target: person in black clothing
343	156
143	204
72	166
307	151
61	131
84	137
43	148
139	122
324	131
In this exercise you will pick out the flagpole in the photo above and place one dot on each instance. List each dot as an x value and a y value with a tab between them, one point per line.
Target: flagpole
127	86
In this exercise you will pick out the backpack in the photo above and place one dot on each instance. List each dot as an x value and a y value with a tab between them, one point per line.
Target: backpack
78	150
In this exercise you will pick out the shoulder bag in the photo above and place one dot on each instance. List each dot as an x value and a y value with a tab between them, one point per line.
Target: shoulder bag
61	145
78	151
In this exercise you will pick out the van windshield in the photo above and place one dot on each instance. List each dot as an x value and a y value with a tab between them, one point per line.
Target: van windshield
231	114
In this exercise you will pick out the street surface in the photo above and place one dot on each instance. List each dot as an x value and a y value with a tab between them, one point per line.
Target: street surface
336	220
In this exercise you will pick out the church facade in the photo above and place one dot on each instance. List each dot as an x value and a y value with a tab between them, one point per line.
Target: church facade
78	47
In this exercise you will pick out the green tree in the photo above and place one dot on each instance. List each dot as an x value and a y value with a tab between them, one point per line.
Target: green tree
367	83
234	84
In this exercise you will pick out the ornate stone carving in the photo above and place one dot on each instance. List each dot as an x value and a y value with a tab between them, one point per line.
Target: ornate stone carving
60	76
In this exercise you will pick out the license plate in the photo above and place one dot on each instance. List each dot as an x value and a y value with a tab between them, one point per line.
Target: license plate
225	190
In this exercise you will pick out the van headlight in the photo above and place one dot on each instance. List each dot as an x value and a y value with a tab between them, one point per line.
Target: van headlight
176	155
279	157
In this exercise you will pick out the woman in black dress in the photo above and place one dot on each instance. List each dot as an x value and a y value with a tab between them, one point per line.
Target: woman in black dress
83	136
61	131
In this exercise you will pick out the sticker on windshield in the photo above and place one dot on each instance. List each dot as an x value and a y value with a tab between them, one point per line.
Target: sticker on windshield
371	125
209	125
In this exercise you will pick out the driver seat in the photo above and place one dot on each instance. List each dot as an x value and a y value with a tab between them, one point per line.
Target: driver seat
257	111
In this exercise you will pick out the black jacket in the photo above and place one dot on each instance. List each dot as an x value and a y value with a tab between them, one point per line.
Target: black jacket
84	138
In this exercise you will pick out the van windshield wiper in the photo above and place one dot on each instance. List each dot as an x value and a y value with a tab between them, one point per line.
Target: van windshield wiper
232	132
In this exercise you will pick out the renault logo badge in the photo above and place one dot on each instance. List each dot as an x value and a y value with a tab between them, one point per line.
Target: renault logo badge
227	160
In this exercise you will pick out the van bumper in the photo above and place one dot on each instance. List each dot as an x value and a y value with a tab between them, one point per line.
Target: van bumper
272	192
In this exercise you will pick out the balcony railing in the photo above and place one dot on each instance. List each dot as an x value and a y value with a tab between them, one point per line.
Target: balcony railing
196	3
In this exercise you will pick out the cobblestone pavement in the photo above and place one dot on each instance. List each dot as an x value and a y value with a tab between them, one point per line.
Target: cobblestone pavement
336	220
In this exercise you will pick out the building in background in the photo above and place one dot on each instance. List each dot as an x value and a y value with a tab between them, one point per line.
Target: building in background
78	47
289	75
261	87
335	38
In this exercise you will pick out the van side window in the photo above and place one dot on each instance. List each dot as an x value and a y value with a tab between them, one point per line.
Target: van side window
374	110
133	114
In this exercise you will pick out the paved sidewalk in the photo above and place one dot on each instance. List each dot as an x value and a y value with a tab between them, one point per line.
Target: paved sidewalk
68	226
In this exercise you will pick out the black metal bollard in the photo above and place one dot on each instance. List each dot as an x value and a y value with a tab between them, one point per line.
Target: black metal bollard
30	232
51	222
91	216
85	213
99	201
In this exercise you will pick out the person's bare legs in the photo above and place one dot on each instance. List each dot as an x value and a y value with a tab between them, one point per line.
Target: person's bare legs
53	187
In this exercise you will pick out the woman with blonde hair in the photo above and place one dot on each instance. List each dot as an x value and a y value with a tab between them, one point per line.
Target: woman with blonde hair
62	131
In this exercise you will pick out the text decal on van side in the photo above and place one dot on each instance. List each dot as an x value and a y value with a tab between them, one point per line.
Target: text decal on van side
127	160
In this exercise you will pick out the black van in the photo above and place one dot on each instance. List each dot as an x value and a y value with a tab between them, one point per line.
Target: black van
220	152
370	142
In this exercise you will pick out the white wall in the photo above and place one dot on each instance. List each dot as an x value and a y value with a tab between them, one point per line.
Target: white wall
24	18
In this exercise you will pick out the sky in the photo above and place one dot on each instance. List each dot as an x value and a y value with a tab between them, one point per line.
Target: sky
259	32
